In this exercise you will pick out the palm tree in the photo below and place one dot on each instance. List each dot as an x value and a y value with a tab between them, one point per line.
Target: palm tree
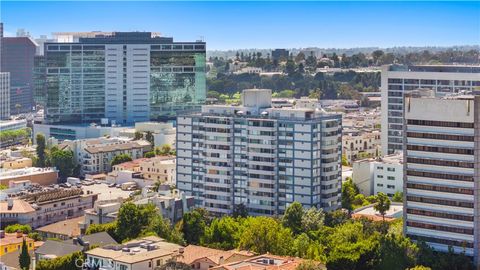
382	205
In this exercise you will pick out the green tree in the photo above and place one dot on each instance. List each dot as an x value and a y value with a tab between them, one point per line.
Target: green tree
193	226
18	227
119	159
24	258
162	228
312	219
163	150
309	265
40	150
335	218
264	234
396	253
149	137
133	219
223	233
2	186
351	248
138	135
35	236
349	191
66	262
110	228
63	160
383	204
420	267
397	197
345	161
240	210
149	154
293	217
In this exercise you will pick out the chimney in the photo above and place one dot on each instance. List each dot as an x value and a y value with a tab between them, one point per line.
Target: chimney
2	234
10	203
221	260
86	246
19	234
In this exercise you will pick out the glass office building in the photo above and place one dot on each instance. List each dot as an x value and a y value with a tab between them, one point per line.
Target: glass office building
125	77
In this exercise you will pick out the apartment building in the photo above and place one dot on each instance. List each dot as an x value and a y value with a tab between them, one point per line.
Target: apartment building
139	254
441	150
262	157
383	174
126	77
44	207
4	95
95	155
398	80
358	144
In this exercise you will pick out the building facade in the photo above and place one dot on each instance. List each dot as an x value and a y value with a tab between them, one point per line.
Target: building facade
441	152
359	144
45	207
17	56
383	174
261	157
398	80
4	95
126	77
95	155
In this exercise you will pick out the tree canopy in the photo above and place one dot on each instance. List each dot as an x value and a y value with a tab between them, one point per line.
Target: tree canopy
119	159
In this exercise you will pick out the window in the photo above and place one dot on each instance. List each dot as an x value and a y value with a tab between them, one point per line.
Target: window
379	176
391	178
379	185
391	186
391	169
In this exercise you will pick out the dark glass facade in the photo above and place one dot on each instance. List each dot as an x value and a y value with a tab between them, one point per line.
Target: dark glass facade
17	57
122	75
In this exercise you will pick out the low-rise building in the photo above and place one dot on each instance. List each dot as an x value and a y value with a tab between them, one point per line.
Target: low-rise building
379	175
64	229
145	171
10	242
159	168
52	249
203	258
42	176
104	211
17	163
369	212
13	124
359	144
265	262
95	155
46	206
144	253
163	133
171	205
74	132
249	70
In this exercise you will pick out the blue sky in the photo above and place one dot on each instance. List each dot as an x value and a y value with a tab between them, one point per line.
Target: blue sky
232	25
